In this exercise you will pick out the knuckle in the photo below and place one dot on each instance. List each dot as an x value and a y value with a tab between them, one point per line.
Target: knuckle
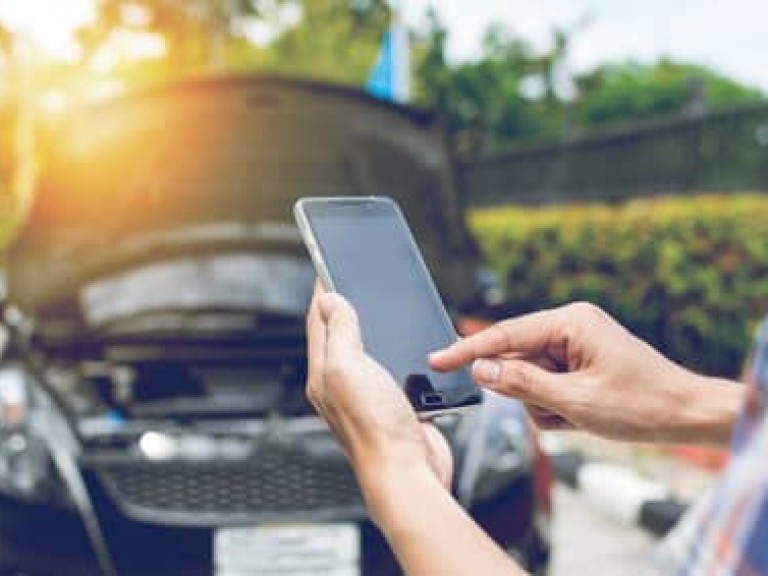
499	337
580	316
468	350
586	310
517	378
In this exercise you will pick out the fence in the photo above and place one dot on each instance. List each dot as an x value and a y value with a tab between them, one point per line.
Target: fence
725	150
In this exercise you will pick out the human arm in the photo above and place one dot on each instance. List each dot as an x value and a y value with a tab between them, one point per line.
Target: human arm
403	466
428	531
576	367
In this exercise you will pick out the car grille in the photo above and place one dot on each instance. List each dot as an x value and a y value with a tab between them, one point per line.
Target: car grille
277	484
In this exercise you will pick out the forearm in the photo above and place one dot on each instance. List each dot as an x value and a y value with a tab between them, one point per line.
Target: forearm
429	532
710	410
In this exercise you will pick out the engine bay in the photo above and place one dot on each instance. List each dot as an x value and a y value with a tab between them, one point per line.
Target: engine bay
180	390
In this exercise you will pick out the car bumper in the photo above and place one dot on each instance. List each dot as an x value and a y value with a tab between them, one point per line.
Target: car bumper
46	541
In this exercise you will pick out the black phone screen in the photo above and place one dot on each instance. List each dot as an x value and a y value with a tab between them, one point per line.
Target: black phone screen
373	261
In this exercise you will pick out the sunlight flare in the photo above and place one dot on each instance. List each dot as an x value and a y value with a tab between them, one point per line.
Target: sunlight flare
50	24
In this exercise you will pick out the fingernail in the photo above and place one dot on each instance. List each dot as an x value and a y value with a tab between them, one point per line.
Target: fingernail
436	355
486	370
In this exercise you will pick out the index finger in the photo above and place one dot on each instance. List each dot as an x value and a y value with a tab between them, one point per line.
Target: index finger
316	337
343	339
532	334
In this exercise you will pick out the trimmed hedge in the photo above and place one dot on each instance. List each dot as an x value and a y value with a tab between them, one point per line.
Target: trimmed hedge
689	275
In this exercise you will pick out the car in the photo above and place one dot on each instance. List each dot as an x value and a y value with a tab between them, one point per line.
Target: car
153	419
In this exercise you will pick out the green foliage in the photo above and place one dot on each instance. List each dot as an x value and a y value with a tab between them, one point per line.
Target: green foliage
336	40
488	103
483	101
508	93
330	39
688	275
193	29
632	91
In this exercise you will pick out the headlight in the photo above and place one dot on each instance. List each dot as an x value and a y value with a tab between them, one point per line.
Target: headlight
26	468
498	450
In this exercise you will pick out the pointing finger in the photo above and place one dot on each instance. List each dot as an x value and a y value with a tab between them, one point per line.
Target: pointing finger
527	382
533	334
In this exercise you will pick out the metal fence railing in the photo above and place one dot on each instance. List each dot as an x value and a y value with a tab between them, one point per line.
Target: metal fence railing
724	150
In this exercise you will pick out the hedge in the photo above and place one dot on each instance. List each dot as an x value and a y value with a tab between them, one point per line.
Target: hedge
689	275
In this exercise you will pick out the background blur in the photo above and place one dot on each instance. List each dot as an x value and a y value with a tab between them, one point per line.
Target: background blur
609	151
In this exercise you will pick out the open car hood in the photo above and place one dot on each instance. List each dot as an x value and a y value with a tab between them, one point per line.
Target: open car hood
217	163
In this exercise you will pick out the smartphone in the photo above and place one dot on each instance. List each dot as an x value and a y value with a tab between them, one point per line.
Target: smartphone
363	249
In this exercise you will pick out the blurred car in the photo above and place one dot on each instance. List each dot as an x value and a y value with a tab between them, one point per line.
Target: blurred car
152	412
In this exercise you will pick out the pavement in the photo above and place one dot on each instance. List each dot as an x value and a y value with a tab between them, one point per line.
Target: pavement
638	486
589	543
601	524
684	480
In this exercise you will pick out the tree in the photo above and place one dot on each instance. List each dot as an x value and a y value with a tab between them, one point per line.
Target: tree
196	31
484	102
332	39
630	90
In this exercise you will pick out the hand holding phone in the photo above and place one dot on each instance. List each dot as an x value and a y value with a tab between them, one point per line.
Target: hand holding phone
363	249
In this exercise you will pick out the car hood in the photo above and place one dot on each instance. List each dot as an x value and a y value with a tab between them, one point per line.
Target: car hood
216	164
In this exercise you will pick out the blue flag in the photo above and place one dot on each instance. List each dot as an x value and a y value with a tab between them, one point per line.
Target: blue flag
390	77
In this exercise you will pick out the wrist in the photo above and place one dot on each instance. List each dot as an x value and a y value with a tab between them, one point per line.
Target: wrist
710	410
388	484
426	528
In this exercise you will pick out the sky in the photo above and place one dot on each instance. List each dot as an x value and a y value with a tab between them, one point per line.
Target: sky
730	36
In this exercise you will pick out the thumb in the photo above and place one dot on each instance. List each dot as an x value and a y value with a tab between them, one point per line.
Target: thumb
525	381
342	329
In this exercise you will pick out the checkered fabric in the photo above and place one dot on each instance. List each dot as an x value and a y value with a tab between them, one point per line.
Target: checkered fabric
727	533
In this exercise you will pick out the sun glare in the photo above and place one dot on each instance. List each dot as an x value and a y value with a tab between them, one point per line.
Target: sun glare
50	24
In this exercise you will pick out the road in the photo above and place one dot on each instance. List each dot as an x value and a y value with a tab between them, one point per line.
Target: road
587	543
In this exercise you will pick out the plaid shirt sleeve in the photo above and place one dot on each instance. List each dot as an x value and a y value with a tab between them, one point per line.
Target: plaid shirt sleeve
727	533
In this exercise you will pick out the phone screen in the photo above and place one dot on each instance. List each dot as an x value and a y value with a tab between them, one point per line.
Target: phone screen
373	261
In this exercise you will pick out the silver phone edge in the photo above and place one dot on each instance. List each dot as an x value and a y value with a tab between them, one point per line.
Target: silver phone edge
428	415
302	221
308	236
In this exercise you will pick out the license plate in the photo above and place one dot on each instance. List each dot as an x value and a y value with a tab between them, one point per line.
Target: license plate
329	550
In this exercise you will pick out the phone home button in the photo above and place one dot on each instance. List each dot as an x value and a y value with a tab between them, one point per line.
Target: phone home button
432	399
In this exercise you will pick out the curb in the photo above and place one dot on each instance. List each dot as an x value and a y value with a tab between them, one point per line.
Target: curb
617	491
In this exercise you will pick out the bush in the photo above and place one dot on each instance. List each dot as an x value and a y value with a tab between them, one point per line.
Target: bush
689	275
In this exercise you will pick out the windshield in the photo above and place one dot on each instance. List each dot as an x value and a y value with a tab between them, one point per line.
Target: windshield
277	284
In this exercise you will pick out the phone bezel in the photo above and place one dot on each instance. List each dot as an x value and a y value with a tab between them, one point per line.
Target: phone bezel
302	214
